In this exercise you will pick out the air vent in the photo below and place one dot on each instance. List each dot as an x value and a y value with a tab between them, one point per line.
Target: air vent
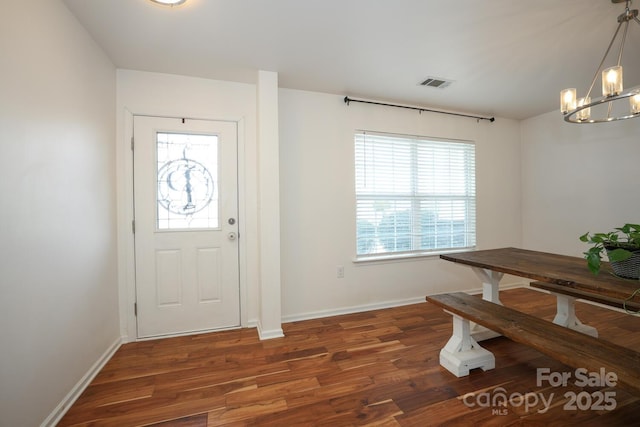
438	82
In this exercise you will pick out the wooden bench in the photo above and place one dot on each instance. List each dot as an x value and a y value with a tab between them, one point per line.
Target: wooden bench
577	293
568	346
565	306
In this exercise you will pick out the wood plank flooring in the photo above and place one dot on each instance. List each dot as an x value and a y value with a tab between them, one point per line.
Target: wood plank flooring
376	368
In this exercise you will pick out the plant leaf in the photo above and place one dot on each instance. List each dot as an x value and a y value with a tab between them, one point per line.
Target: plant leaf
593	262
625	228
619	255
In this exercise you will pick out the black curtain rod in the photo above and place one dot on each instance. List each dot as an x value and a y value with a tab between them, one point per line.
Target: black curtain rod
347	100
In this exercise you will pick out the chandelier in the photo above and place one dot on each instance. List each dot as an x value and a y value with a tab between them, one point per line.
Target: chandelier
607	108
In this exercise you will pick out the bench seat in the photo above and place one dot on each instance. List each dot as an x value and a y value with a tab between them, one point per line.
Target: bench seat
570	347
577	293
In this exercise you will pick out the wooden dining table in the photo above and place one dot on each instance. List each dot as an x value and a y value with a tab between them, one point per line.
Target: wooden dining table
566	276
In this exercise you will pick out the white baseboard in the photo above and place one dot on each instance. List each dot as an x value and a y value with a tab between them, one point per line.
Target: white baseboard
62	408
514	285
380	305
269	334
349	310
476	291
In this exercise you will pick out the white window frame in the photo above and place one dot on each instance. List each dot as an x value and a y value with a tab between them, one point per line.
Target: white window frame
426	195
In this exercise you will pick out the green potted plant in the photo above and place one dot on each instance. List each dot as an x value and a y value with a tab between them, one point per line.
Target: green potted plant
622	247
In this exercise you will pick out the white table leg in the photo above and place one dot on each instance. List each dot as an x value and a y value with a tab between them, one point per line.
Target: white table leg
490	280
490	292
566	316
462	352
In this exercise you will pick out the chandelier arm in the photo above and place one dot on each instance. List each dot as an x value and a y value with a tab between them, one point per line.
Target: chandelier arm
624	38
595	77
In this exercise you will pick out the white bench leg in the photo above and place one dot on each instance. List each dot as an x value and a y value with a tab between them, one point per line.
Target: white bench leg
490	292
566	316
462	352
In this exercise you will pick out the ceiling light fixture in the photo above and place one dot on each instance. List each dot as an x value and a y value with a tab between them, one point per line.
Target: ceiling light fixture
169	2
578	110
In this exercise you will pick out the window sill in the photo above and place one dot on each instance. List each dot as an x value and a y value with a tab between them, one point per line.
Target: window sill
403	257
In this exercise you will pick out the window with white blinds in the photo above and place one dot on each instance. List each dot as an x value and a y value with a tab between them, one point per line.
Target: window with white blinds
414	194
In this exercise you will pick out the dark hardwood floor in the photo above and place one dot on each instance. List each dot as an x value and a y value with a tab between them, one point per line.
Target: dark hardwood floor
375	368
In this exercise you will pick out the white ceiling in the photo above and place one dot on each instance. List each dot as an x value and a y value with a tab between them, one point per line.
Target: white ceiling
508	58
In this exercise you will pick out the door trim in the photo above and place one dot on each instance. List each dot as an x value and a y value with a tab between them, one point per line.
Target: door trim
125	212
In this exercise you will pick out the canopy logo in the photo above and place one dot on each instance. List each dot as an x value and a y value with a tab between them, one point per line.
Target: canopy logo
499	401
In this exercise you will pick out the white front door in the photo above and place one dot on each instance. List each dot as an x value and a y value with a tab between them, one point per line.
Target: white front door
186	225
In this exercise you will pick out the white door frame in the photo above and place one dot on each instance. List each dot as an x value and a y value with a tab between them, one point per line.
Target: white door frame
126	248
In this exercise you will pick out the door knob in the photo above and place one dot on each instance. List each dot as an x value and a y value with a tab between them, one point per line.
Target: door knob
232	236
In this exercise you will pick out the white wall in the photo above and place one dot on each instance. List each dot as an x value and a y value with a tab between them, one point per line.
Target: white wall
58	290
577	178
318	203
178	96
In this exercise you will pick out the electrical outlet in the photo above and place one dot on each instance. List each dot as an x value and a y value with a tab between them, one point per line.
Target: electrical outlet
340	272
